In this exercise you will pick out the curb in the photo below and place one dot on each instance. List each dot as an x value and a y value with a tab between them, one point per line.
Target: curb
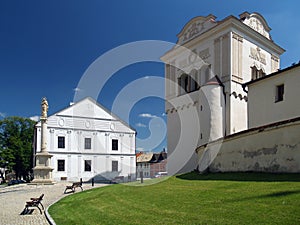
48	217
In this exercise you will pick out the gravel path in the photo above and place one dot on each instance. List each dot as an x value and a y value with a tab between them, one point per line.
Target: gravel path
13	199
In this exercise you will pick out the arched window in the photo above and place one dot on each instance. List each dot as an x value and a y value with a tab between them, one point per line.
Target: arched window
183	84
194	81
186	84
256	73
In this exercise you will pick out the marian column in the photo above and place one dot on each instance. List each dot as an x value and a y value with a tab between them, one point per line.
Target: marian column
42	171
44	125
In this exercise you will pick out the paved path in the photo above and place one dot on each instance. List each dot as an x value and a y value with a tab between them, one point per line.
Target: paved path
13	198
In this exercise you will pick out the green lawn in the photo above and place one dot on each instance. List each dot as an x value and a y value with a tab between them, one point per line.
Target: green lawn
236	198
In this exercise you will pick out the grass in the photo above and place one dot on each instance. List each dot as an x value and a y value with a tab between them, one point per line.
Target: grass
234	198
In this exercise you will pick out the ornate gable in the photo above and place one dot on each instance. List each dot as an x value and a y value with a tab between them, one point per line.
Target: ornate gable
195	27
257	23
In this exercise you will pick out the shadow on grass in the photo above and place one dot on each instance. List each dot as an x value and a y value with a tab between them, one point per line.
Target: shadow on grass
280	194
262	197
246	176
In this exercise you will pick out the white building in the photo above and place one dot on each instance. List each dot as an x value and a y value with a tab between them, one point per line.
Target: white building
87	142
275	97
207	102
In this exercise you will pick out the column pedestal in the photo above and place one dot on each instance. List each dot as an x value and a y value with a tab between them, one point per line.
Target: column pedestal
42	171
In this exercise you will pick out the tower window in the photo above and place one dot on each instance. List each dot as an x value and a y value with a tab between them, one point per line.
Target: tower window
279	93
256	73
187	84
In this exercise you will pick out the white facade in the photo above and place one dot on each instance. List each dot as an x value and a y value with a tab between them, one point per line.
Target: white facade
274	98
87	142
233	51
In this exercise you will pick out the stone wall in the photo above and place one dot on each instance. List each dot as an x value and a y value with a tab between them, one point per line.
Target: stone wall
273	148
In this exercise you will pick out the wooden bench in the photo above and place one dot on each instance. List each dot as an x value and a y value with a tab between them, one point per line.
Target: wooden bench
35	202
73	187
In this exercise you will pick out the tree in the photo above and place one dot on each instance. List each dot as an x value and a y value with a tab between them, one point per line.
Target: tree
16	137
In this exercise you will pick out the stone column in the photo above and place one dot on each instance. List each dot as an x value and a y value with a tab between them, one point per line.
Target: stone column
42	171
44	125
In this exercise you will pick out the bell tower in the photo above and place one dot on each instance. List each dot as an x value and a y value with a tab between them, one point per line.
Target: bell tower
207	95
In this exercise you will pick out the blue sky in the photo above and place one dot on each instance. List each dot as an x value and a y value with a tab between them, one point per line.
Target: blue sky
46	46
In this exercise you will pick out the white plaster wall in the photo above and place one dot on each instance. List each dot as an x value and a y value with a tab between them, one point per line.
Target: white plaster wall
67	121
189	126
213	95
74	141
238	109
183	133
74	154
261	99
274	149
100	130
101	167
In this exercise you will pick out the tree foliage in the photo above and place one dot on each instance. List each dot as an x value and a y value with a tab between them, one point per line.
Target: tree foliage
16	138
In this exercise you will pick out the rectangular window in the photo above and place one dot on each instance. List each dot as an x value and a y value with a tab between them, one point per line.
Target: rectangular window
114	144
279	93
60	165
87	143
114	166
61	142
87	165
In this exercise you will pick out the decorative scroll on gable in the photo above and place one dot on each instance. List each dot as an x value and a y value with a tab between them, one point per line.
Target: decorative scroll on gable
257	23
195	27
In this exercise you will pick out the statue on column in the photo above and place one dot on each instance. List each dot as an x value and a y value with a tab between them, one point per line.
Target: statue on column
44	107
42	170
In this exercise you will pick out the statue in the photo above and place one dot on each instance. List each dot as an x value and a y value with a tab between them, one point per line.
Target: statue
44	107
